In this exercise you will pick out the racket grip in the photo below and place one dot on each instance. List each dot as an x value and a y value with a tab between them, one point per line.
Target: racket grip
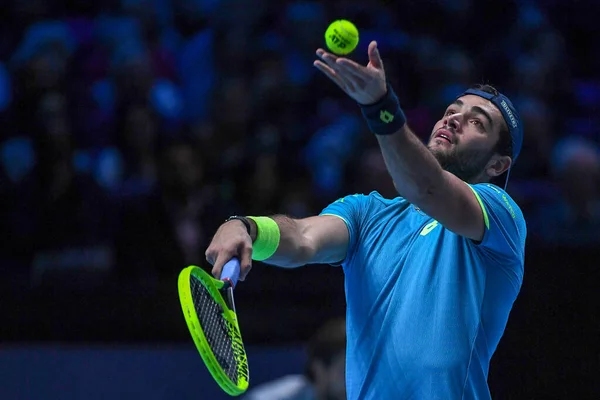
231	271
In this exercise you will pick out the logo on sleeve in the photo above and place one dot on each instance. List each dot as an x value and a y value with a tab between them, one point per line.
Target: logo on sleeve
508	205
428	228
510	209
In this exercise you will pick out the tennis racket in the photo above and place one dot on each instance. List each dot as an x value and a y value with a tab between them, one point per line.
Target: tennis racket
209	311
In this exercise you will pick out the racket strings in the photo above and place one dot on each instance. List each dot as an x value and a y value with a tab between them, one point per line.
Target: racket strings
215	328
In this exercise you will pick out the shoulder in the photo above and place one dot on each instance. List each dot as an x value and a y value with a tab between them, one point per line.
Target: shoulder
506	230
361	205
490	193
373	197
377	197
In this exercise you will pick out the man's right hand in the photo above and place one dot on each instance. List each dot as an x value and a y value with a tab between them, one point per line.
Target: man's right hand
365	84
230	240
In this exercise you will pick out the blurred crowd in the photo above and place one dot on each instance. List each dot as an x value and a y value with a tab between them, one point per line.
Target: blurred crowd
132	128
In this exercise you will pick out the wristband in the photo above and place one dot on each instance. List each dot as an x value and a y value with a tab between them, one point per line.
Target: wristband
243	219
267	238
385	117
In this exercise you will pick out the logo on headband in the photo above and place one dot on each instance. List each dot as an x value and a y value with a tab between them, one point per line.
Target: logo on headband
513	120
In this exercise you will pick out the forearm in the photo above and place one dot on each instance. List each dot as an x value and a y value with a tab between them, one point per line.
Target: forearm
413	168
293	250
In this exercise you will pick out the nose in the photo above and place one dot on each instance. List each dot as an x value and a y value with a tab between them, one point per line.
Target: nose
453	121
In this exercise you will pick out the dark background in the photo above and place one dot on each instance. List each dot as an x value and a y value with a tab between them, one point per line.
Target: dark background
132	128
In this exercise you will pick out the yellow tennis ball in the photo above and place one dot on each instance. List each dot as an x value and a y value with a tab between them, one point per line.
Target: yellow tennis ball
341	37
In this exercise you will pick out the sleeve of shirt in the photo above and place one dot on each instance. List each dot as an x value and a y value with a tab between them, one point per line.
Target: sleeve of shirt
505	229
352	210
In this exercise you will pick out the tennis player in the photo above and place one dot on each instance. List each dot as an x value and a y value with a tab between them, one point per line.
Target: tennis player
430	276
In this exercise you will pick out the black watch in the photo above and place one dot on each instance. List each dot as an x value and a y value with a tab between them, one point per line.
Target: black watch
243	219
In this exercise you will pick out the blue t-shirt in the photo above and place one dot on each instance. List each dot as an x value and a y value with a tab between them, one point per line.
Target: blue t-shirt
426	307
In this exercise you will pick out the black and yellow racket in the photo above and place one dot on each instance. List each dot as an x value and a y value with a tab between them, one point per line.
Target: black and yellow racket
209	311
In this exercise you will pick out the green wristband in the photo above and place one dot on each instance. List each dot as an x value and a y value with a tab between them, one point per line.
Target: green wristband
267	238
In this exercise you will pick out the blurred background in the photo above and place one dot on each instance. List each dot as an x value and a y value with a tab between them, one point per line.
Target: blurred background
132	128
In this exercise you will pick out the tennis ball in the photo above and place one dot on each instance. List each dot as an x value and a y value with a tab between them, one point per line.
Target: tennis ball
341	37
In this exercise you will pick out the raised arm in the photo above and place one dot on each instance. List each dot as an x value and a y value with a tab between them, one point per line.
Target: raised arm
418	176
422	181
319	239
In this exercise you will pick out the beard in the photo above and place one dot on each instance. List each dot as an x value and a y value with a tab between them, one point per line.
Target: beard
464	164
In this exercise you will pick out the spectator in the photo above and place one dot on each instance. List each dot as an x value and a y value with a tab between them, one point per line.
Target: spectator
166	230
139	143
573	218
60	220
324	378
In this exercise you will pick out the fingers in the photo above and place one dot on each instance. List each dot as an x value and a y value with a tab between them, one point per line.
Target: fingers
329	67
224	258
329	58
220	261
245	260
326	55
356	71
333	75
362	83
352	73
230	240
221	252
217	254
374	56
211	255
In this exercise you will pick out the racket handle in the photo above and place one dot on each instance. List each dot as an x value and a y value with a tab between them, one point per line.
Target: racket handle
231	271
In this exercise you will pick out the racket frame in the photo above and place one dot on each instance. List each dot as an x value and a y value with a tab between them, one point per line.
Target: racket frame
215	288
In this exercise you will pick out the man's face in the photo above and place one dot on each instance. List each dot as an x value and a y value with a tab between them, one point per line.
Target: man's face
464	140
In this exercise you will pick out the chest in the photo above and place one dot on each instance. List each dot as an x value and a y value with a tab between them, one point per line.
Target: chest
388	236
403	250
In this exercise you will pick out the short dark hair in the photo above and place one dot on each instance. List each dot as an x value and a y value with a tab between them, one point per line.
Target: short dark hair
327	343
504	146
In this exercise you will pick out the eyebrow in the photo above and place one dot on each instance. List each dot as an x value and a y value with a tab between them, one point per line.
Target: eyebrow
476	109
458	103
481	111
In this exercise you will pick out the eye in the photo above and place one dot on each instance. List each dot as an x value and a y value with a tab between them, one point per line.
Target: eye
448	113
478	125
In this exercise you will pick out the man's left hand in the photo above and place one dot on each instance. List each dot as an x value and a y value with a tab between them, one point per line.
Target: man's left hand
366	85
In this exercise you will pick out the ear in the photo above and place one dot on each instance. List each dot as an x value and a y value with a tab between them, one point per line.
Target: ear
497	165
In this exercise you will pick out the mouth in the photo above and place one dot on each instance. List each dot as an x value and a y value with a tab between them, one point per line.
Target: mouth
444	134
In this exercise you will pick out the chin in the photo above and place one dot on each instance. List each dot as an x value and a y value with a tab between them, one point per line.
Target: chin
438	148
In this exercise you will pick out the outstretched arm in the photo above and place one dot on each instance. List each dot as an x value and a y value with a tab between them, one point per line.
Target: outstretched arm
320	239
416	173
422	181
